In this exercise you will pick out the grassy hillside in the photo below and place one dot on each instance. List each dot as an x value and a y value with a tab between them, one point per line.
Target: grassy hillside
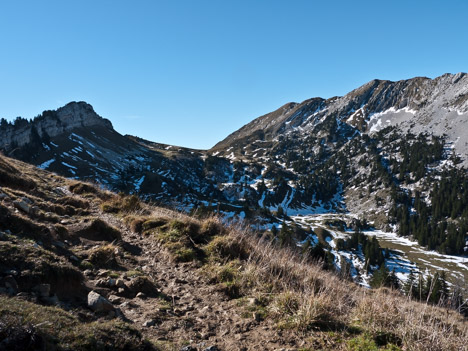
172	281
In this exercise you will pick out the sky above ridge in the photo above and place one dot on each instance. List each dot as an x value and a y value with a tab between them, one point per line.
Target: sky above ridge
191	72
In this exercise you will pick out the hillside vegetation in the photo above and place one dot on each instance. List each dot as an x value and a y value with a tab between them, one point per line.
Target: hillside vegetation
87	269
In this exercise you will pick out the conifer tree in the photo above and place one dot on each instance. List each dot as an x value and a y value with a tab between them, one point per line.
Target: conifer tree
409	287
380	277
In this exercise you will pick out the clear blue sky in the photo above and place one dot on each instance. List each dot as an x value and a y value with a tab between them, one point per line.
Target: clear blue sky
191	72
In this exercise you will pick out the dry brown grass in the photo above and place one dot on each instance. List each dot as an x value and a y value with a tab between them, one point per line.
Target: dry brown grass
104	256
419	326
304	297
98	230
13	177
123	204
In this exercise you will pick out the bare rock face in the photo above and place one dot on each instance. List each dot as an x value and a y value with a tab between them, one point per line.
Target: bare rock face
99	303
52	123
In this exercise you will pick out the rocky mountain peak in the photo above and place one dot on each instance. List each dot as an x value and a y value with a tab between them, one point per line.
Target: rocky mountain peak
50	123
418	101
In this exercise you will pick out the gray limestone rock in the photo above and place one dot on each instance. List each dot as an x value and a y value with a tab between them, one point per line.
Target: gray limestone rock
22	205
99	303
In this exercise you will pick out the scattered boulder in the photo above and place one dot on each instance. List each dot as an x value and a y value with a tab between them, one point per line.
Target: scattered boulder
34	210
59	244
102	272
26	200
10	284
252	301
23	295
12	272
188	348
99	303
115	299
102	283
149	323
88	273
128	304
141	295
23	206
142	284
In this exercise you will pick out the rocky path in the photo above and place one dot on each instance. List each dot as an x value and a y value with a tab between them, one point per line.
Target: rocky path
194	312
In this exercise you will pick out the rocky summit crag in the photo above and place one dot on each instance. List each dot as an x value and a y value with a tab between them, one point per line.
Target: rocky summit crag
50	124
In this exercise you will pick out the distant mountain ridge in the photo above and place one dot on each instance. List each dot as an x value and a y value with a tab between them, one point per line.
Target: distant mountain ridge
392	154
424	102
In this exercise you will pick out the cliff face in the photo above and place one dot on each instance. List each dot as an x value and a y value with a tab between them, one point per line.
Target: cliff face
52	123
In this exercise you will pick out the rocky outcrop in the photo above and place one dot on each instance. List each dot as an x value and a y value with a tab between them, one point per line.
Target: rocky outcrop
99	303
50	124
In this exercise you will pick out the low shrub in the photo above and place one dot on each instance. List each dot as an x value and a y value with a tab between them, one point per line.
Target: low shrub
99	230
227	248
122	203
74	202
103	256
211	227
83	188
153	223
